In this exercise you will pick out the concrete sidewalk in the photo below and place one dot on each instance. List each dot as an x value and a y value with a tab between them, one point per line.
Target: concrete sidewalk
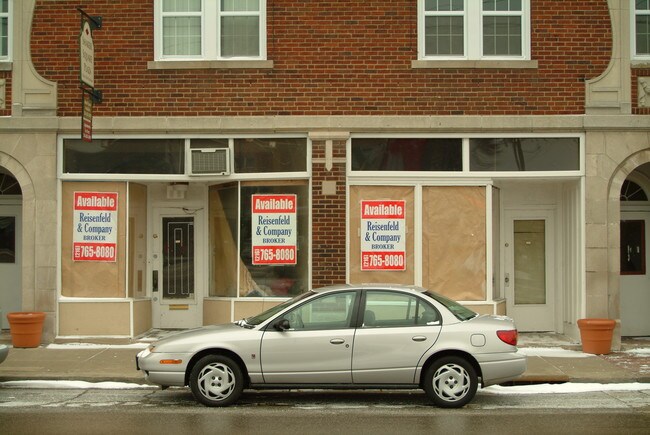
551	359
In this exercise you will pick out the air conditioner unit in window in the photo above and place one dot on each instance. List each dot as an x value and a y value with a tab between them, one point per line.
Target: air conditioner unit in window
210	161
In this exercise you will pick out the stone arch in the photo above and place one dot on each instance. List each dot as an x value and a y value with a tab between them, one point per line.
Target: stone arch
613	224
19	172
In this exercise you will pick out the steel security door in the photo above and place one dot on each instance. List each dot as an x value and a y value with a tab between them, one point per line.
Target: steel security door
635	280
176	272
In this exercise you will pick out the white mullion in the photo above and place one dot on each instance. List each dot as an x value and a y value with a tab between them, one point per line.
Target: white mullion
474	20
210	40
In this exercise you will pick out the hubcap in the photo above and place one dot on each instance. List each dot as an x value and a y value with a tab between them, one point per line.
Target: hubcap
451	382
216	381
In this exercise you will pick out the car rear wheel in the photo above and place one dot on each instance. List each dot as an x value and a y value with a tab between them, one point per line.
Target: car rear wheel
451	382
216	380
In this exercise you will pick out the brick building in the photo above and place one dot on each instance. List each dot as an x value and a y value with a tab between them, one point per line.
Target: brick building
245	151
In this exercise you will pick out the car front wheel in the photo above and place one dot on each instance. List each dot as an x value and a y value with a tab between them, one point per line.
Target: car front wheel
451	382
216	380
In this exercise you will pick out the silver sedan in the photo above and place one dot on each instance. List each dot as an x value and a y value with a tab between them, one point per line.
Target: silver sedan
347	336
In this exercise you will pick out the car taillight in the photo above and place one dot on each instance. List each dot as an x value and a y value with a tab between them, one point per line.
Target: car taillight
508	337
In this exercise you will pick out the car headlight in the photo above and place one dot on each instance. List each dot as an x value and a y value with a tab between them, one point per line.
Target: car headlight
147	351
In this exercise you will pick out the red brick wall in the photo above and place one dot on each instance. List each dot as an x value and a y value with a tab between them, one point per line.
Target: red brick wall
346	57
328	219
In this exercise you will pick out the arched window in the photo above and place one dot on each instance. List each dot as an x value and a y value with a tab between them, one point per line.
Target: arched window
9	185
631	191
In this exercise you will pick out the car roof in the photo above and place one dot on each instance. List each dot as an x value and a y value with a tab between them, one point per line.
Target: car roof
372	286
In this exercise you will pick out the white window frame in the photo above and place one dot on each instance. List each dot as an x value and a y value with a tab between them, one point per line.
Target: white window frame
210	32
473	41
633	14
9	15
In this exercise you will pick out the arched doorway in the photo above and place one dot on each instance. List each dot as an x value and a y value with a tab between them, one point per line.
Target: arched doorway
635	270
10	245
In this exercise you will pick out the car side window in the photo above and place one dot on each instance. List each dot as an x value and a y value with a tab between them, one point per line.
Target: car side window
332	311
391	309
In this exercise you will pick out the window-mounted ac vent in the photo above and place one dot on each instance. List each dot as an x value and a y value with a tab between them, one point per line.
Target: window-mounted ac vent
210	161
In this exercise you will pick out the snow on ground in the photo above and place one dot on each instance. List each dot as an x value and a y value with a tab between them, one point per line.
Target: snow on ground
74	385
97	346
566	388
555	352
641	351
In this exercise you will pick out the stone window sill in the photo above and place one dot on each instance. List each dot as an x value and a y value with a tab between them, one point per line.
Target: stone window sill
476	64
209	64
6	65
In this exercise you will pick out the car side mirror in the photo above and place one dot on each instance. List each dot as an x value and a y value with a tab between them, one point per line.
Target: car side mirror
282	325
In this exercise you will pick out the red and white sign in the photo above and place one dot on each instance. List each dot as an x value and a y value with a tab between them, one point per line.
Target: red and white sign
274	226
95	226
87	118
383	235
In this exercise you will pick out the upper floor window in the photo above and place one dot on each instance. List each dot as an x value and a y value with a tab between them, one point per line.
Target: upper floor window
641	38
447	29
5	29
210	29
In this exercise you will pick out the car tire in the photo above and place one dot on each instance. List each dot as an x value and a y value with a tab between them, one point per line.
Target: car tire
451	382
216	380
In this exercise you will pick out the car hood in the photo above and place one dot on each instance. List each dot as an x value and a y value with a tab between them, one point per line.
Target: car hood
188	341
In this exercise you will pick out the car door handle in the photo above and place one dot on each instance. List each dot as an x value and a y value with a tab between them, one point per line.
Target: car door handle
337	341
419	338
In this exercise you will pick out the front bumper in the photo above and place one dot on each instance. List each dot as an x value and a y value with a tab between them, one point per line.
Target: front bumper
162	374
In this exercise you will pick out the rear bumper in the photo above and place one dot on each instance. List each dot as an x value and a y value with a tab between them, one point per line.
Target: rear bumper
503	369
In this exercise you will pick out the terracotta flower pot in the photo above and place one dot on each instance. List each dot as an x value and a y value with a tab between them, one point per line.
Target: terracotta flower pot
596	335
26	328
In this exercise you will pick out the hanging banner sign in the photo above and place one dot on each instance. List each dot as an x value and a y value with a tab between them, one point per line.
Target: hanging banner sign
87	118
95	226
383	235
274	229
86	55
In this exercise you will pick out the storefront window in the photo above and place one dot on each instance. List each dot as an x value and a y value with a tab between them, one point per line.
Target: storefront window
525	154
277	277
236	266
124	156
406	154
255	155
224	235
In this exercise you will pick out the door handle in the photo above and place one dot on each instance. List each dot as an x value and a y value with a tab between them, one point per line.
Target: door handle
337	341
419	338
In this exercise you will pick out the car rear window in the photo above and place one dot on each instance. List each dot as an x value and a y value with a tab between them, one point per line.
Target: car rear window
461	312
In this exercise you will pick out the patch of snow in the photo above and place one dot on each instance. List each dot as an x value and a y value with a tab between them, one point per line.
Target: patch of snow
566	388
74	385
97	346
554	352
639	351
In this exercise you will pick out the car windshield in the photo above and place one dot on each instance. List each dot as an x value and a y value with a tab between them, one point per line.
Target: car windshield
256	320
456	309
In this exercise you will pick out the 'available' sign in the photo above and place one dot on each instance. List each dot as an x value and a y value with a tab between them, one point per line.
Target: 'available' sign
383	235
274	229
95	226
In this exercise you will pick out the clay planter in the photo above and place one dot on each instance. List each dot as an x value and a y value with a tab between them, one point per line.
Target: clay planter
26	328
596	335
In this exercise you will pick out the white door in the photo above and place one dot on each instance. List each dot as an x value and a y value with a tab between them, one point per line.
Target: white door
10	261
529	280
176	268
635	281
